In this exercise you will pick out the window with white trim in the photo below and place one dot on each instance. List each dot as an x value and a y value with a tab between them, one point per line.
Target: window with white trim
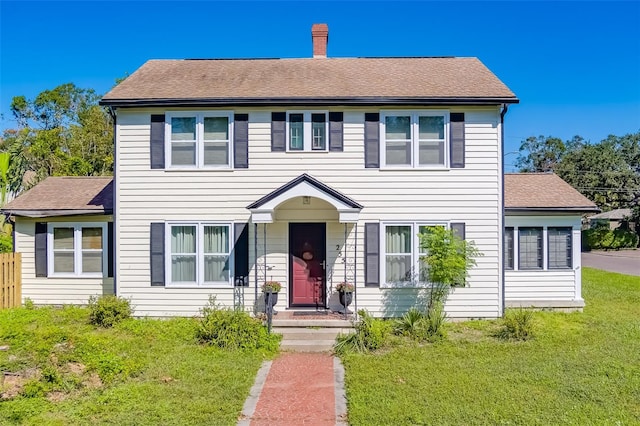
414	138
307	131
402	265
559	247
199	254
526	245
199	140
76	249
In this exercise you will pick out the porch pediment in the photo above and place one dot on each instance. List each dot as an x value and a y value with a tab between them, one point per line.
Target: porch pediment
262	210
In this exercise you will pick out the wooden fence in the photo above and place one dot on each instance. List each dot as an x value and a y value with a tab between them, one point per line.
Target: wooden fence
10	280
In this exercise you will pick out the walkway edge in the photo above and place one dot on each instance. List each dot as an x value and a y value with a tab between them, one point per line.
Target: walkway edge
339	392
250	404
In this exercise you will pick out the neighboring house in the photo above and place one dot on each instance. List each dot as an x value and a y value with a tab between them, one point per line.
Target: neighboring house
612	218
311	172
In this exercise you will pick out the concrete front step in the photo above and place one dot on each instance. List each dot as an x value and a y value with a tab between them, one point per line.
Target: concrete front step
309	335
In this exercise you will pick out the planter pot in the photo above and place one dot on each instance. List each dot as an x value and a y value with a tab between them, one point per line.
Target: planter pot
346	297
274	300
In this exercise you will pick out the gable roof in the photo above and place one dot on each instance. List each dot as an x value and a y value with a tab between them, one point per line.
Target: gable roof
321	81
617	214
65	196
543	192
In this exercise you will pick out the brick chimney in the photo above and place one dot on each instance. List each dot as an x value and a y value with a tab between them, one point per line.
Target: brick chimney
320	37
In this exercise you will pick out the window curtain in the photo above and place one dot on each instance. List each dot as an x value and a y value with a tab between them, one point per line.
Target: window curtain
398	263
183	253
216	253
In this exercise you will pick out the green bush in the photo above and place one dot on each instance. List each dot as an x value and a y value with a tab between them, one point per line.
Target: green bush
6	243
230	329
106	311
435	320
411	324
603	238
370	334
518	324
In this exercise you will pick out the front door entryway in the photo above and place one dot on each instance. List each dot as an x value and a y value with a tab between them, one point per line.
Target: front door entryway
307	261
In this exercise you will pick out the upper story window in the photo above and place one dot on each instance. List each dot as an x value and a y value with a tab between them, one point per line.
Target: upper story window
76	249
199	140
414	138
307	131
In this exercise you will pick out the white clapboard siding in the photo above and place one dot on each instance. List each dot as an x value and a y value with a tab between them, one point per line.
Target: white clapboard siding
470	195
55	291
553	286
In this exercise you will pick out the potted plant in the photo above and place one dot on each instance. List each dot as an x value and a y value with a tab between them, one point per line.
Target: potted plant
345	293
271	290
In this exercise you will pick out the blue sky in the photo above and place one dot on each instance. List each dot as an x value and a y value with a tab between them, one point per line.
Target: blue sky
574	65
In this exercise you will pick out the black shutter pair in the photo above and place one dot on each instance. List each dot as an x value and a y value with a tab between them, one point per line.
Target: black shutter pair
41	249
279	134
372	140
157	258
372	259
240	141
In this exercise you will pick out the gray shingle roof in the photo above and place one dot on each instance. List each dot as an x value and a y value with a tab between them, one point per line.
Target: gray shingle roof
364	80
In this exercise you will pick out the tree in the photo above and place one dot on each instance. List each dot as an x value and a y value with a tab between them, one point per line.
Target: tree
61	132
540	154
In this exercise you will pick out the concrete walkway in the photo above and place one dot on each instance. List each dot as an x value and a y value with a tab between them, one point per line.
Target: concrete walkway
622	261
297	389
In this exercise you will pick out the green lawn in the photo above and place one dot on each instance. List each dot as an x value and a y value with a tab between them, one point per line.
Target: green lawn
582	368
142	372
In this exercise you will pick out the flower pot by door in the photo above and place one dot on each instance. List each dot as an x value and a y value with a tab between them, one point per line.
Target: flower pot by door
273	297
346	297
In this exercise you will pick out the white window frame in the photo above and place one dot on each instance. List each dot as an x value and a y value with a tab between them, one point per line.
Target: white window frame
199	282
415	252
307	127
545	249
77	249
415	138
199	141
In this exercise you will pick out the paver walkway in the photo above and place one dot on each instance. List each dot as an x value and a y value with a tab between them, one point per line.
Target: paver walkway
297	389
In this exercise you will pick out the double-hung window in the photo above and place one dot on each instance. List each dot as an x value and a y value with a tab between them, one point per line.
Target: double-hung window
199	140
76	249
200	254
414	138
402	254
307	131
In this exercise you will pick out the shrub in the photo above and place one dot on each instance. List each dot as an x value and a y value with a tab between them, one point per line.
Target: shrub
229	329
517	324
435	320
412	324
370	334
603	238
6	243
106	311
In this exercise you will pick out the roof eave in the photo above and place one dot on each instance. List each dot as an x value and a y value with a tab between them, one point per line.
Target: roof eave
56	212
351	101
577	209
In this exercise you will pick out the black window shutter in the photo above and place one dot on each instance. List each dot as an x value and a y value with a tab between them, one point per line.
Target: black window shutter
336	125
372	254
110	249
41	249
278	131
371	140
457	140
241	252
157	141
458	229
157	254
241	141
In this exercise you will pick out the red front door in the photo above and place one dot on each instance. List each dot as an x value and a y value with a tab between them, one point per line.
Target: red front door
307	251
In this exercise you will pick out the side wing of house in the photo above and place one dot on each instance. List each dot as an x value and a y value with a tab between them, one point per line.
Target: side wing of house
542	241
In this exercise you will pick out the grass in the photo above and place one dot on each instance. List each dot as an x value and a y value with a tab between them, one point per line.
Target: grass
581	368
141	372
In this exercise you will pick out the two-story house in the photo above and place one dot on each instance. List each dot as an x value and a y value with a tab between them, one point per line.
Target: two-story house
312	171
